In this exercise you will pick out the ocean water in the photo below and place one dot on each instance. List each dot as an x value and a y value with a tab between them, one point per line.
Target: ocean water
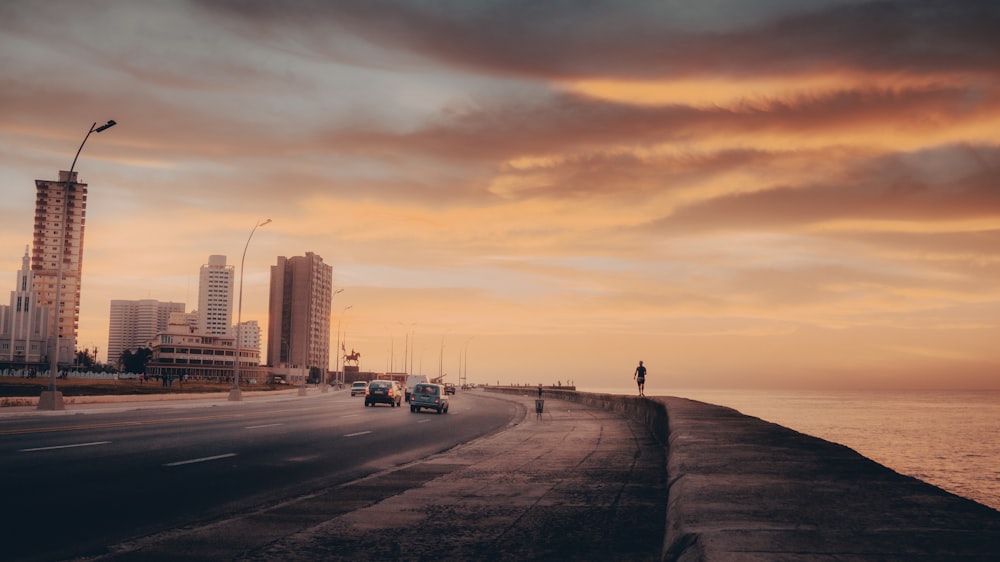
950	439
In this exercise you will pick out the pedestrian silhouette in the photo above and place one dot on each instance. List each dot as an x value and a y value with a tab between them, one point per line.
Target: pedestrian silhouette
640	378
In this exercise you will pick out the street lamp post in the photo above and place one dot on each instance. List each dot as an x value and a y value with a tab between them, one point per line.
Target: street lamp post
340	376
463	367
441	362
305	349
324	384
408	347
235	395
52	399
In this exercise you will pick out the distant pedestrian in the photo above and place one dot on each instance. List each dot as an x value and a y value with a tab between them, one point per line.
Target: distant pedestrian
640	378
539	403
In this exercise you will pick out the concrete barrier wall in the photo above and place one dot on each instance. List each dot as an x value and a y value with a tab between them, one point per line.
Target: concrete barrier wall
649	412
740	488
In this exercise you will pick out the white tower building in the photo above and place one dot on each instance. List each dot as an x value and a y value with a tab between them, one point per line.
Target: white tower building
250	336
215	297
24	324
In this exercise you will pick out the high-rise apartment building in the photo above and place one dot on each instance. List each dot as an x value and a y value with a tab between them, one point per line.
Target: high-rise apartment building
60	215
135	323
215	297
298	330
24	325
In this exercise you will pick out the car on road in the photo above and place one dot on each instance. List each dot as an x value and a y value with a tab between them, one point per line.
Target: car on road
358	387
449	388
429	395
383	392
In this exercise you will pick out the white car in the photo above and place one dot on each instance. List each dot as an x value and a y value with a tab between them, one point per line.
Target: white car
358	387
411	381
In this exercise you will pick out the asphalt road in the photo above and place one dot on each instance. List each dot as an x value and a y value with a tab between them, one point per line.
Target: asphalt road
77	485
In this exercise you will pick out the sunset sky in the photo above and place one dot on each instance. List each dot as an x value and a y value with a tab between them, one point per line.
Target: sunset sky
775	193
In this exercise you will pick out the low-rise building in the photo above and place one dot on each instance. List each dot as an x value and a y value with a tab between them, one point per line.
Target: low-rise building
182	353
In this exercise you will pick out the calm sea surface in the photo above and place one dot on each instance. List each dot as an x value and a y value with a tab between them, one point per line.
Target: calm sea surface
950	439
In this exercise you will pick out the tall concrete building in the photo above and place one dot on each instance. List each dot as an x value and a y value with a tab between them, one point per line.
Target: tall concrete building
215	297
298	329
135	323
24	325
60	215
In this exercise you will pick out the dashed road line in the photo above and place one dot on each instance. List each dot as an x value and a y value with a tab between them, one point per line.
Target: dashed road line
203	459
91	444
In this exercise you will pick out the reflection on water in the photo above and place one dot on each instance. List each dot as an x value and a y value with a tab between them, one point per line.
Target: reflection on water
947	438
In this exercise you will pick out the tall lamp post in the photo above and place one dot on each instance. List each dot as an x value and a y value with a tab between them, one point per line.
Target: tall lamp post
408	347
340	375
52	399
463	367
305	349
323	383
235	395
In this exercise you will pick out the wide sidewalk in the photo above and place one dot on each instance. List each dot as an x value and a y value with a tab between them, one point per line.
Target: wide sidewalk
574	483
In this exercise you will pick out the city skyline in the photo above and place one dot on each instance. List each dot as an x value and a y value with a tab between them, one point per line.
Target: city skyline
741	194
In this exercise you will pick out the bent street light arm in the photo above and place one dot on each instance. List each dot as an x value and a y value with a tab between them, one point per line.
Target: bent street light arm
93	129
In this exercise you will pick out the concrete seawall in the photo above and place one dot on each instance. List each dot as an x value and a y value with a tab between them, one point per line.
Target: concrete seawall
740	488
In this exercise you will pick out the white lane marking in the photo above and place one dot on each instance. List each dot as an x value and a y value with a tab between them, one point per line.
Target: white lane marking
260	426
64	446
358	433
203	459
423	421
351	416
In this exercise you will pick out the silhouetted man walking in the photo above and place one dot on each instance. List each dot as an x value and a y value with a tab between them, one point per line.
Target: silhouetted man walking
640	378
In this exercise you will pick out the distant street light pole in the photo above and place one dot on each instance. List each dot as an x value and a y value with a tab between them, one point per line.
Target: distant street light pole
441	362
52	399
408	347
324	384
340	375
463	367
305	348
235	395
